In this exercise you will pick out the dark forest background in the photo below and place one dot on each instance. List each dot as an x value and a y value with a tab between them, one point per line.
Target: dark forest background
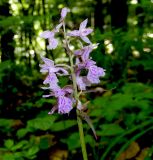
122	115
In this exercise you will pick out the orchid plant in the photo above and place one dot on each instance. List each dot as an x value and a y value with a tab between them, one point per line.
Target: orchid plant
68	97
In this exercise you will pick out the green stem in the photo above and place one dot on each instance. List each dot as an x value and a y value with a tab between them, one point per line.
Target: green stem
82	140
79	120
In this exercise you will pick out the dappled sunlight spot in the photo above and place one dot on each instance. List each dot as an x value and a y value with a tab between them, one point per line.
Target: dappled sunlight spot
147	50
134	1
75	9
41	42
37	25
61	6
18	62
15	7
16	36
132	21
146	35
71	47
150	35
32	53
27	54
136	53
109	46
95	45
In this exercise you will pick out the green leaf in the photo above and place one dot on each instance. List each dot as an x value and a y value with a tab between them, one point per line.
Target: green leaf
63	125
9	143
6	123
110	130
32	151
21	132
72	141
89	139
46	141
8	156
19	145
18	156
43	123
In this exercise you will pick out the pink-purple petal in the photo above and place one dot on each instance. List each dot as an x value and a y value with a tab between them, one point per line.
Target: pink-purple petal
47	61
46	96
61	71
58	27
86	53
53	109
68	89
83	24
52	43
64	13
74	33
64	105
95	73
47	34
51	79
86	39
80	83
78	52
85	32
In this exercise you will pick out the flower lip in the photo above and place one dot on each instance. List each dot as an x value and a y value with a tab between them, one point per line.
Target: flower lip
64	105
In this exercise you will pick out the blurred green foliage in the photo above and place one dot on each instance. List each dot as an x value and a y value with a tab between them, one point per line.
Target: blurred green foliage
121	115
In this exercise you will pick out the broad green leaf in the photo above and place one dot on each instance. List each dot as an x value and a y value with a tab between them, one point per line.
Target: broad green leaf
22	132
19	145
32	151
110	130
43	123
9	143
63	125
18	156
6	123
73	141
46	141
8	156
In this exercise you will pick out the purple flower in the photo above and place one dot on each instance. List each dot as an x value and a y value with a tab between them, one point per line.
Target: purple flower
64	105
64	13
82	32
84	52
49	66
52	70
50	36
64	99
84	65
95	73
67	90
52	80
82	82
